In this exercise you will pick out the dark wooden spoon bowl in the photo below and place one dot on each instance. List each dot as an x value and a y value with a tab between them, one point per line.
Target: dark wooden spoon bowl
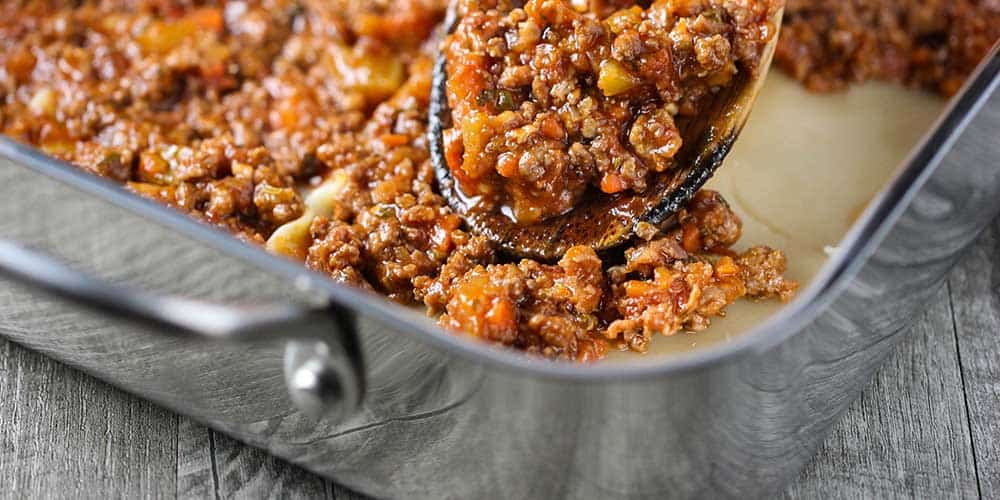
604	221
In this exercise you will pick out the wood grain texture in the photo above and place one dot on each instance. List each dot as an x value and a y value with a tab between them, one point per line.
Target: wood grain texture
975	300
925	428
194	464
907	436
244	472
68	435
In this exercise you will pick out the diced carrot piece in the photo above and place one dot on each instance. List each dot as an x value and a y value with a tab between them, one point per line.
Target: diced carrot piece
394	140
507	164
691	238
553	129
453	148
290	111
726	267
612	183
208	18
161	37
20	63
502	314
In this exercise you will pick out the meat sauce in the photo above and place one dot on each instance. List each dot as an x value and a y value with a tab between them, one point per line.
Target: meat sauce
555	100
232	110
930	44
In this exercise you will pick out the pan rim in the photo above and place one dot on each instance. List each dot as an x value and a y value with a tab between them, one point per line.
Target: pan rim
861	240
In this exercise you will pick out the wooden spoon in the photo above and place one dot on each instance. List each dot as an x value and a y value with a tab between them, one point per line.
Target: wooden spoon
604	221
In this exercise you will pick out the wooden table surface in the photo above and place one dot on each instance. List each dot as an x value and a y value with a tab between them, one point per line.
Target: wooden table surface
927	426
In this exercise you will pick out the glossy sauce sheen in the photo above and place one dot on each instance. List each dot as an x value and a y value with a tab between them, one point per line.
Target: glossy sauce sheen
803	192
194	112
553	104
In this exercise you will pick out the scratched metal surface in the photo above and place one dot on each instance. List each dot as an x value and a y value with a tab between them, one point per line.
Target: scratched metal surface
926	427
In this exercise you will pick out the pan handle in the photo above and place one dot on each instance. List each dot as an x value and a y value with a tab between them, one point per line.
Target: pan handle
322	363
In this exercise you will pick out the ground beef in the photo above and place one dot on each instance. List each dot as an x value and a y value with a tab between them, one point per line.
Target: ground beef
551	99
217	108
681	280
580	308
230	110
933	44
543	309
337	250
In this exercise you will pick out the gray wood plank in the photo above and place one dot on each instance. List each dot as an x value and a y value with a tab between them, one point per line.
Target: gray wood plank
341	493
975	297
69	436
245	472
195	467
907	436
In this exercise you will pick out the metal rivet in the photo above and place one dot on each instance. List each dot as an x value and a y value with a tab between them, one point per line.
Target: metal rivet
319	383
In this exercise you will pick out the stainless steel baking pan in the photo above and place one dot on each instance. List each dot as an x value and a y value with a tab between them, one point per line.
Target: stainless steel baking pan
376	397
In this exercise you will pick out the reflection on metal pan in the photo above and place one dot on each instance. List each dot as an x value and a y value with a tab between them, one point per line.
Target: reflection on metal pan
735	419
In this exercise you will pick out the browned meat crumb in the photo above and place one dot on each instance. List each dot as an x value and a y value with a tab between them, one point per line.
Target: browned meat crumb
762	269
226	110
933	44
679	282
337	250
552	102
167	95
549	310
